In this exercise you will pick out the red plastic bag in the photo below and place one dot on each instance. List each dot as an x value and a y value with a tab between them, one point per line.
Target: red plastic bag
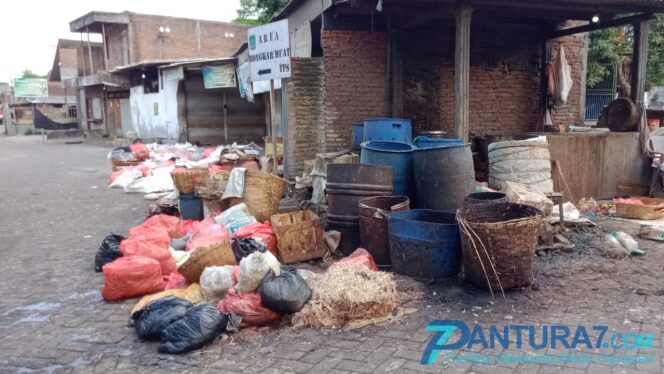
114	176
153	235
262	231
236	273
207	233
214	169
140	151
207	152
130	277
186	225
161	221
249	307
176	280
151	250
359	257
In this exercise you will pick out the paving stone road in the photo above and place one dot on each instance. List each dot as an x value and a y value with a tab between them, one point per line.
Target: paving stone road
56	209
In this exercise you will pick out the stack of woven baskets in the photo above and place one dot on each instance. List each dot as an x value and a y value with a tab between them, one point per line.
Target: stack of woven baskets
262	193
499	241
185	179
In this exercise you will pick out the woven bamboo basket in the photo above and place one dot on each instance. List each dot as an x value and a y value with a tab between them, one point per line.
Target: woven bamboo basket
185	181
647	211
214	255
299	236
116	164
499	242
262	193
212	205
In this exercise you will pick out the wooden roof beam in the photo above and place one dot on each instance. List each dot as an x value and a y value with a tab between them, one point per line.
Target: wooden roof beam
601	25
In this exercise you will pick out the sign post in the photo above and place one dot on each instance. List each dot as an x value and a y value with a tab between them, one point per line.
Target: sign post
269	59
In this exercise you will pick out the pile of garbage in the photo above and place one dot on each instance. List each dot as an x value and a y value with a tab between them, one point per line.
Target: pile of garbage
146	168
201	279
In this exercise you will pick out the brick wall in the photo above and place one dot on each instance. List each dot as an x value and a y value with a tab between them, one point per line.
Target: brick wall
355	79
183	40
83	57
305	102
574	45
504	79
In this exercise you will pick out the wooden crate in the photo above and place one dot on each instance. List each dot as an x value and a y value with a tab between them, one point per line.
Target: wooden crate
299	236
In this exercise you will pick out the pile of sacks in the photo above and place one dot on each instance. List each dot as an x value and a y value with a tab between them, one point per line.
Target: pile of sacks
253	289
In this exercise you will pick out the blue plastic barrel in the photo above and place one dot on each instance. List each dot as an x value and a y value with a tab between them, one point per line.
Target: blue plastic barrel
424	243
427	142
388	130
358	135
191	206
399	156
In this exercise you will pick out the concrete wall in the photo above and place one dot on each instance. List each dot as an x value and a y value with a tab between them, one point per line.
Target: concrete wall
163	124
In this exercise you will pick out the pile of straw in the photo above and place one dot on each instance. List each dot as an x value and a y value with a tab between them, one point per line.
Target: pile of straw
345	293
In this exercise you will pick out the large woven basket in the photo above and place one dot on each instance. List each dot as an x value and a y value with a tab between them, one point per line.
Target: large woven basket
214	255
262	193
299	236
186	180
647	211
499	242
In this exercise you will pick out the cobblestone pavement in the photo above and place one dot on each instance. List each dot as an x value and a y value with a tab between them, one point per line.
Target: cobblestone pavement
56	209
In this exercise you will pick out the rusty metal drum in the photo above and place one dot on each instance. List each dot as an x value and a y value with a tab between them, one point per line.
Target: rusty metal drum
374	212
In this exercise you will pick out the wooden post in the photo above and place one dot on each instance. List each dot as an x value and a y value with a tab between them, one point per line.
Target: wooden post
225	120
639	60
462	73
274	129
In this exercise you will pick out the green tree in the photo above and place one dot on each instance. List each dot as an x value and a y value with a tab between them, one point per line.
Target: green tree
258	12
27	73
614	46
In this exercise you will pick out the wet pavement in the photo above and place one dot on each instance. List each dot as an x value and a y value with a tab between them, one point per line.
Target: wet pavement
56	210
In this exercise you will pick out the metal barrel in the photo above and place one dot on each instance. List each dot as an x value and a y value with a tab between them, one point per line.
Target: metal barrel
484	198
388	130
424	243
428	142
374	212
443	176
346	185
399	156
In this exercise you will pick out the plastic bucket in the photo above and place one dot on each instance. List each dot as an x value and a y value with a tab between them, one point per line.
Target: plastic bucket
399	156
191	207
388	130
424	243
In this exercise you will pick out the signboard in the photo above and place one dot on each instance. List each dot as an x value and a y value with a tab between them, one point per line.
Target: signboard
219	76
269	51
173	74
30	87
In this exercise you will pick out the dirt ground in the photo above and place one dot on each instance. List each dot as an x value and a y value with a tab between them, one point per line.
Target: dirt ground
56	209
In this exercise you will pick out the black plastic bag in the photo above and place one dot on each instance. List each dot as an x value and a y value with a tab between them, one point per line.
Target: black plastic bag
199	326
243	247
108	251
286	293
153	318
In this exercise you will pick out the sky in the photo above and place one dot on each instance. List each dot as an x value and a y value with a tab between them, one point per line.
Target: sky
29	31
